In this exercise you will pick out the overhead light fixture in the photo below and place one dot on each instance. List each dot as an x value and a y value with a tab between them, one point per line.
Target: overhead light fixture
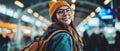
41	18
18	3
73	1
88	17
92	14
38	23
97	9
30	10
27	18
35	14
106	2
4	9
10	12
53	0
16	14
73	6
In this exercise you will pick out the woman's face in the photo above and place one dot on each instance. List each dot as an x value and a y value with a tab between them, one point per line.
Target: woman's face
64	15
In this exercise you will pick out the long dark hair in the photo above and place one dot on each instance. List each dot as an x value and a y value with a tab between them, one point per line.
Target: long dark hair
70	28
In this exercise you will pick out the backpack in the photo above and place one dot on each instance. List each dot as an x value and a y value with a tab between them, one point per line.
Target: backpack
41	45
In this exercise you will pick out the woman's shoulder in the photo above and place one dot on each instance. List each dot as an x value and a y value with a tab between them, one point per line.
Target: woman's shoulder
61	41
61	35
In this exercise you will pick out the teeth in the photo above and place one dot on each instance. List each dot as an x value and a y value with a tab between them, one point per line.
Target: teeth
65	19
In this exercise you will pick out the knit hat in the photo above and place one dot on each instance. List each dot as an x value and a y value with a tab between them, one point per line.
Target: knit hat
54	5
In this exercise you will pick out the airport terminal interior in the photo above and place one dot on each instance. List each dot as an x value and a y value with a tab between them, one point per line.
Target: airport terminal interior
22	20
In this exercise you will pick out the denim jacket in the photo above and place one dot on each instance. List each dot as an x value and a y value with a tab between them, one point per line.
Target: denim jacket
61	41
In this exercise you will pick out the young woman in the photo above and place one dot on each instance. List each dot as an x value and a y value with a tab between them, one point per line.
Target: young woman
61	15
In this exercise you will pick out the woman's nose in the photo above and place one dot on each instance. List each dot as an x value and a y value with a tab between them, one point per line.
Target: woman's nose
65	13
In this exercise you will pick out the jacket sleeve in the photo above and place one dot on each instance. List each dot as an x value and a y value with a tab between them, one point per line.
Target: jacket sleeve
61	42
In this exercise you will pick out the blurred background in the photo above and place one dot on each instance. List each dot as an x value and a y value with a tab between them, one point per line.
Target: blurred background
97	21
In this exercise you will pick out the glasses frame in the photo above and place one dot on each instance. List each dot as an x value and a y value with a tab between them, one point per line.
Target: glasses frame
62	11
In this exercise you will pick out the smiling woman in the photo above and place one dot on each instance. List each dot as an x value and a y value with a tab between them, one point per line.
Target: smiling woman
61	15
64	15
61	35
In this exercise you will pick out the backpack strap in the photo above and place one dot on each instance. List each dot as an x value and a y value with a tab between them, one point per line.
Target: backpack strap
44	44
55	32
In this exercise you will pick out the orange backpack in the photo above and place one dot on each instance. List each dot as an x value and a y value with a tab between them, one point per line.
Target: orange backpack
41	45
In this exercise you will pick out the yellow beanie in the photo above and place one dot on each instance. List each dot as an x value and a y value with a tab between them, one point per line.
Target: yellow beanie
54	5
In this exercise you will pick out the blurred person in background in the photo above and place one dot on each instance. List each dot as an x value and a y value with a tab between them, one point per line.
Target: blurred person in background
37	38
102	42
4	40
93	42
85	40
61	15
117	41
26	38
1	42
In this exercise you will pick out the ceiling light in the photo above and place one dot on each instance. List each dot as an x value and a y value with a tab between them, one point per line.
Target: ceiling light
27	18
97	9
41	18
92	14
88	17
53	0
4	9
38	23
73	6
73	1
106	2
30	11
35	14
18	3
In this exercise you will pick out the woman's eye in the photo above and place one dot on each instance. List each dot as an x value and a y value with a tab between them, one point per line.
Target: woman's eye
68	10
60	11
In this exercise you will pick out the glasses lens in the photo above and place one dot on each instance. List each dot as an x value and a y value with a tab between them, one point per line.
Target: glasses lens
68	10
60	11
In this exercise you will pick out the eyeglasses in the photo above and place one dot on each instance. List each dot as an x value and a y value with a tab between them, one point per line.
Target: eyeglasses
61	11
